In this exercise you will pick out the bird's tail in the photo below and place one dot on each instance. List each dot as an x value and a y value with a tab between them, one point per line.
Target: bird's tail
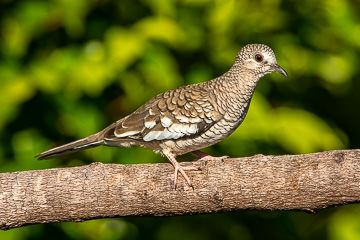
88	142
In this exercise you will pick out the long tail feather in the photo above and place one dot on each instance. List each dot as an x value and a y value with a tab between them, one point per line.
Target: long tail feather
88	142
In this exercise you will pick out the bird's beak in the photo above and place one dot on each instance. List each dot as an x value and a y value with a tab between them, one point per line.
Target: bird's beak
277	68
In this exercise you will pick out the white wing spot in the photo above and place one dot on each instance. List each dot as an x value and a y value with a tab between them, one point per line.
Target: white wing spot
169	135
208	120
184	119
192	129
176	128
151	136
161	135
126	134
166	122
150	124
187	129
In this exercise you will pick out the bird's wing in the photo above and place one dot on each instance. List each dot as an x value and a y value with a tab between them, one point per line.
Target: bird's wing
175	114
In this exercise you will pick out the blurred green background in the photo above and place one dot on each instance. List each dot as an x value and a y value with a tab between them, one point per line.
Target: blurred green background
69	68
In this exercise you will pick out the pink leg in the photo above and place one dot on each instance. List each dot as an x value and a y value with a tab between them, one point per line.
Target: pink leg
180	169
206	157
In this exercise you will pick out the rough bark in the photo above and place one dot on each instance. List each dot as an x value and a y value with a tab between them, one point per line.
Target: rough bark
308	182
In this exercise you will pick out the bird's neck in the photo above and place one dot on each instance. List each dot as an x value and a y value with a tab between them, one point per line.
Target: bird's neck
236	88
241	81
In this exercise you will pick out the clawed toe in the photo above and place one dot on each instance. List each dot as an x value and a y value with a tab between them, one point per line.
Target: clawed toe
181	169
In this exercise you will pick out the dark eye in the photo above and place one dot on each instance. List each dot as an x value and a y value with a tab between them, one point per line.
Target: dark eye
259	57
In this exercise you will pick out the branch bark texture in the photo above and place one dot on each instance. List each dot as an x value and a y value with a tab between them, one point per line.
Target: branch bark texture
308	182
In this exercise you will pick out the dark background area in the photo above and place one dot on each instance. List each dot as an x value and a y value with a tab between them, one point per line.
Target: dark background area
70	68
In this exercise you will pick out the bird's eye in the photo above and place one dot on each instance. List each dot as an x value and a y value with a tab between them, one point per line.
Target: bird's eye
259	57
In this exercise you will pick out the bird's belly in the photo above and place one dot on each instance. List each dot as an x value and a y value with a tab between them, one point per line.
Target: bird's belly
213	135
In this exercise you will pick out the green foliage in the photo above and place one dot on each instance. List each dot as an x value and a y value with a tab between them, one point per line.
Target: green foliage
344	224
69	68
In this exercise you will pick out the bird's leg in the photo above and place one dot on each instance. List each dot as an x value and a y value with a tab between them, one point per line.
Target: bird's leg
206	157
180	169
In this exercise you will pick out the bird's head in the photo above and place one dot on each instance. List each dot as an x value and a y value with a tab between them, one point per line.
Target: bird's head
259	59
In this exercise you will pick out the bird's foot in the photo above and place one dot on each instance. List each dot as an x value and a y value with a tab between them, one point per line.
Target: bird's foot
179	168
206	157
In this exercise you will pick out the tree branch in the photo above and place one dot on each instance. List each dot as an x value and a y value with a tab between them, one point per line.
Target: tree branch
308	182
